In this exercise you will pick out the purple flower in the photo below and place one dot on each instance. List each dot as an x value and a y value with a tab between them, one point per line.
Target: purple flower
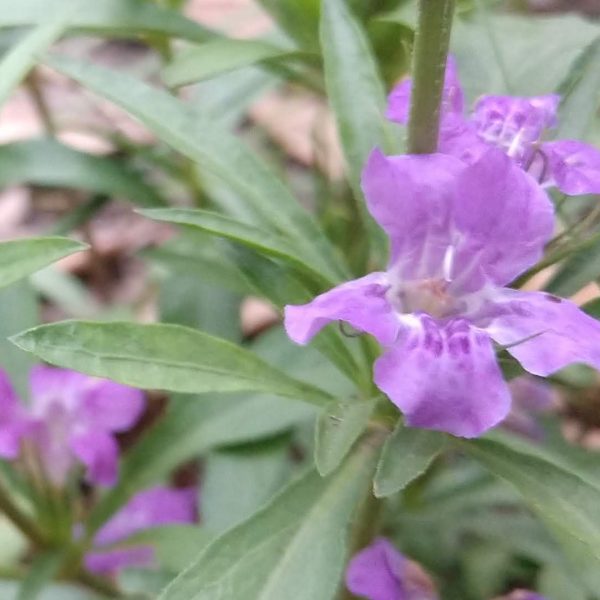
459	233
151	508
72	418
514	124
380	572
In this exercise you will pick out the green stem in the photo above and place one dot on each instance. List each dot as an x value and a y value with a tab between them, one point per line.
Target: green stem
429	67
27	526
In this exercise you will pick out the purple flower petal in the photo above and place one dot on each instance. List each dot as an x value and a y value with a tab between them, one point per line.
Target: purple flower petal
150	508
112	561
444	376
49	386
543	332
361	302
376	572
452	102
574	166
411	197
504	217
99	452
110	405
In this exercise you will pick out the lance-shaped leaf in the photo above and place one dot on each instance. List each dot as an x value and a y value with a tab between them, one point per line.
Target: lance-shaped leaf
338	427
21	58
20	258
356	93
293	548
216	150
104	17
220	56
49	163
568	503
266	242
406	454
160	356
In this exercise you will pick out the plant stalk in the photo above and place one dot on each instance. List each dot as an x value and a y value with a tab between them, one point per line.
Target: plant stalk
429	66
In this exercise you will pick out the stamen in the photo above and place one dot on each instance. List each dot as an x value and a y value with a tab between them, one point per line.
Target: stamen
448	263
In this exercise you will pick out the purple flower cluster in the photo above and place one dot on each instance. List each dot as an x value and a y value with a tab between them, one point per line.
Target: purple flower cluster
380	572
463	223
73	419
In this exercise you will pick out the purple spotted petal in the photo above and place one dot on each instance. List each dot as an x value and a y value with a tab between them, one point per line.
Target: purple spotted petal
574	166
361	302
99	452
112	561
515	123
109	405
376	572
444	376
411	197
543	332
452	103
505	219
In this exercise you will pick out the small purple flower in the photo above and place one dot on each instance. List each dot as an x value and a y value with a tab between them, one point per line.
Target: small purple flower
380	572
516	125
459	233
72	417
151	508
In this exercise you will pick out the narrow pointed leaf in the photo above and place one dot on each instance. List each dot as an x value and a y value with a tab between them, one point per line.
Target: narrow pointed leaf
569	504
217	151
20	258
17	62
108	17
216	57
266	242
49	163
160	356
338	427
293	548
406	454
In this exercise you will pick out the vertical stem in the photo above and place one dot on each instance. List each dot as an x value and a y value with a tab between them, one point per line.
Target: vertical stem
429	66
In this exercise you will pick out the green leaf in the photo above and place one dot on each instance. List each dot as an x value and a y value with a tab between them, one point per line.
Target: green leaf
271	244
160	356
42	571
356	94
216	150
213	58
338	427
579	94
293	548
19	258
569	504
105	17
298	18
17	62
193	426
260	469
406	455
49	163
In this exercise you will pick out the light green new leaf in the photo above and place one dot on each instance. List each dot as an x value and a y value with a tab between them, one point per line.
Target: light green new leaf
338	427
191	427
213	58
42	571
266	242
49	163
569	504
216	150
293	548
20	258
105	17
356	94
160	356
406	454
17	62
